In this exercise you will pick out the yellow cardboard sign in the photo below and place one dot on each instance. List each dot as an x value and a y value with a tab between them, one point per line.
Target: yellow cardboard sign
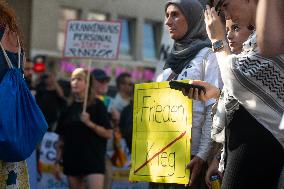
162	120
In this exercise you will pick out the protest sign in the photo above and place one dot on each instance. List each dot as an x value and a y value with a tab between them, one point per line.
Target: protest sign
162	119
92	39
46	163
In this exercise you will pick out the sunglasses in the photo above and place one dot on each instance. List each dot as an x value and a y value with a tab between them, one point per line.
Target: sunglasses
219	6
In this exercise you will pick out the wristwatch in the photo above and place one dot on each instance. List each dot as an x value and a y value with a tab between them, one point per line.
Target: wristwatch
217	45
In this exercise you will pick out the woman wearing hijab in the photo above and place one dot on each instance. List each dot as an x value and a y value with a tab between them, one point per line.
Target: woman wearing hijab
191	58
253	104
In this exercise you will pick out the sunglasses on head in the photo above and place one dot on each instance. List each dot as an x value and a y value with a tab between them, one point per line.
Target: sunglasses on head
219	6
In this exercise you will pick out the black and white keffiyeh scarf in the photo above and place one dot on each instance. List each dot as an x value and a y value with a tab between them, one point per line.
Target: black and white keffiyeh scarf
255	82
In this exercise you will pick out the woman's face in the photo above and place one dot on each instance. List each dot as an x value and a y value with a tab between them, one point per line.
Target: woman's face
176	22
78	84
100	86
236	35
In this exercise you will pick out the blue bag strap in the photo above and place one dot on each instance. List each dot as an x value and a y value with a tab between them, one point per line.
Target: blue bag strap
10	65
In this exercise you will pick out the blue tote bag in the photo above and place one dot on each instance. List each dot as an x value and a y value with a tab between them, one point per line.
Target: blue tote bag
22	124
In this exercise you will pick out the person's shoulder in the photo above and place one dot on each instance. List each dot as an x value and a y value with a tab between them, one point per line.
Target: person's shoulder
117	98
204	51
206	54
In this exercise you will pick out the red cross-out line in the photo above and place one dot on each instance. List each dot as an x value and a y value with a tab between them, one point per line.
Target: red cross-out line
159	152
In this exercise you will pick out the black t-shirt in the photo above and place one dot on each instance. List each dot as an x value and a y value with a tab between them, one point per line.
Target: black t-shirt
50	104
84	151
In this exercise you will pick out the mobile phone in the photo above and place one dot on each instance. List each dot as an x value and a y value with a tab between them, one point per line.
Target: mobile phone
177	85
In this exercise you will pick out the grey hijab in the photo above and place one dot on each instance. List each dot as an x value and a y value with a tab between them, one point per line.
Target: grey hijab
185	49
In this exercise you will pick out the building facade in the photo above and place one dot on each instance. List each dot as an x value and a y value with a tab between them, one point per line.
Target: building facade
44	23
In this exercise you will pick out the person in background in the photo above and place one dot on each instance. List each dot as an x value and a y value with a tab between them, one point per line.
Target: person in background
236	36
100	86
12	174
124	86
253	104
191	58
50	98
118	147
126	123
83	137
28	72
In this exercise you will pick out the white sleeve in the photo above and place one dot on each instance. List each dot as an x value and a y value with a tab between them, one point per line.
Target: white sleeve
212	74
205	138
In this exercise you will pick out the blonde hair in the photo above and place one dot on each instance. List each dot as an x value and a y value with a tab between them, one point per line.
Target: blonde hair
81	72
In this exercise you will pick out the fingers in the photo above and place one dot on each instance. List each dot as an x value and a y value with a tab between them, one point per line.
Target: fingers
185	92
85	115
196	94
191	93
210	11
202	96
57	175
206	14
190	165
207	180
214	13
188	93
193	176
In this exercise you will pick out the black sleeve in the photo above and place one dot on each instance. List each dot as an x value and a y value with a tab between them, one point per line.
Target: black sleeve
99	114
126	121
126	124
60	123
